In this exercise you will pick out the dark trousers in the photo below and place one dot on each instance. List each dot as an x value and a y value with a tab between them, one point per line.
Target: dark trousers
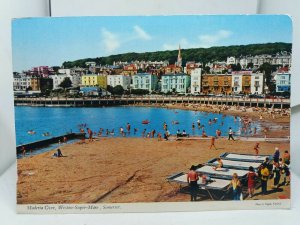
236	194
276	179
230	137
264	186
193	190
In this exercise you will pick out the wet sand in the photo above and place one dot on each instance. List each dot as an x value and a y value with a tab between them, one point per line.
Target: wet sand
116	170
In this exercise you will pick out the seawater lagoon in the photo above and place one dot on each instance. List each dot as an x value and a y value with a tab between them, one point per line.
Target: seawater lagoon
57	121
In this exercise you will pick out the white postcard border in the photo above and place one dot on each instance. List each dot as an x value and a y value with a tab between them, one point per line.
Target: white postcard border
153	207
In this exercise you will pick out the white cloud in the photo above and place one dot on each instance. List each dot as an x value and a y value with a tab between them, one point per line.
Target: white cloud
141	34
204	40
208	40
110	40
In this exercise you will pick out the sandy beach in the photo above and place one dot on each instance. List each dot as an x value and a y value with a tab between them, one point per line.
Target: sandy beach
116	170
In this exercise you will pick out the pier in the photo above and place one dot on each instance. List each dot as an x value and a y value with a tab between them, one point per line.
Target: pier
116	101
44	143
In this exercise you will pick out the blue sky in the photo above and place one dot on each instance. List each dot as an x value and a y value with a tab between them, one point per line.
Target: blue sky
51	41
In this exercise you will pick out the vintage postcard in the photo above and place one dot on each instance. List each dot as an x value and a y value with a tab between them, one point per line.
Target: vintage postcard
152	113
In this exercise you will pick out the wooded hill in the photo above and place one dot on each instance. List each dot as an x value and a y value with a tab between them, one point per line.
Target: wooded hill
194	54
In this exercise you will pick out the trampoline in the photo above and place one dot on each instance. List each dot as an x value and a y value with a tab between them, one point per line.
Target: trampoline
244	157
216	188
234	164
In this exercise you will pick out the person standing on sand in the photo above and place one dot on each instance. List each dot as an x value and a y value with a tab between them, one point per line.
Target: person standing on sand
212	143
159	136
251	181
265	173
236	187
276	155
23	149
192	178
286	156
230	134
143	133
90	133
277	175
254	130
256	147
218	133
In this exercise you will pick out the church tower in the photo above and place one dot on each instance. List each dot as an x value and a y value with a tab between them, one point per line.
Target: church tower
179	58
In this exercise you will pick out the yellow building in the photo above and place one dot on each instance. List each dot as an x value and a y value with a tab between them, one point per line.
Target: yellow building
94	80
35	84
102	81
246	84
216	83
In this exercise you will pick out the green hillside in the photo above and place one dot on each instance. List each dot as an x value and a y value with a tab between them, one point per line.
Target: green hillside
195	54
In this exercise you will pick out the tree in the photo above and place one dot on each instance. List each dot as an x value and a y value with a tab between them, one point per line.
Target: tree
29	89
110	89
266	69
206	69
250	65
139	92
66	83
46	84
55	68
209	54
118	90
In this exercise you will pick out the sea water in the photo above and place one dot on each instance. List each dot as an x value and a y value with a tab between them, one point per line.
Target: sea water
58	121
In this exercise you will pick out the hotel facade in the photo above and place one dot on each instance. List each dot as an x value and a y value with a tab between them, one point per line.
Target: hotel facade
177	82
145	81
115	80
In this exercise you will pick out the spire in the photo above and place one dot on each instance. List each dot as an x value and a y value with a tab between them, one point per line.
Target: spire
179	58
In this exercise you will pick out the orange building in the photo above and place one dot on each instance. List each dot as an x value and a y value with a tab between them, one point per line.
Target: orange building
216	83
129	70
172	69
191	66
246	84
35	84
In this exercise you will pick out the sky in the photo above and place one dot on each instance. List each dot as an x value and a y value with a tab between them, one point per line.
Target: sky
51	41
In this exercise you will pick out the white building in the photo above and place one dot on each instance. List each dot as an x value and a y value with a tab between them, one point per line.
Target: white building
57	79
75	79
74	76
196	81
237	82
178	82
283	82
231	60
123	80
21	82
145	81
65	71
257	83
